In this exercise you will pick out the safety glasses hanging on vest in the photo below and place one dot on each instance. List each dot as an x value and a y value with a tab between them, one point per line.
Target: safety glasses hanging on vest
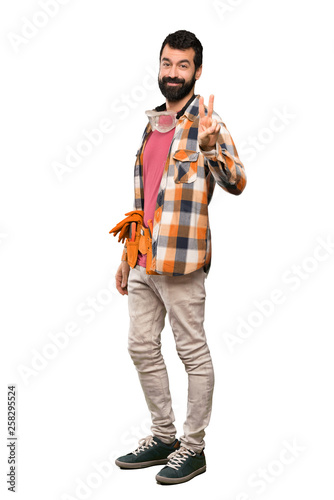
162	121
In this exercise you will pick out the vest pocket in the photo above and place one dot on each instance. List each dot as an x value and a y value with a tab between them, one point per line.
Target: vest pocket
186	162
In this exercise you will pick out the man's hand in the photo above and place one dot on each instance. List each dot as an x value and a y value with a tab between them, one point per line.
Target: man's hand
208	129
122	278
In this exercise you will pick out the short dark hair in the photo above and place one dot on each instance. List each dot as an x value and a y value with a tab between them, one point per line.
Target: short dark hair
183	40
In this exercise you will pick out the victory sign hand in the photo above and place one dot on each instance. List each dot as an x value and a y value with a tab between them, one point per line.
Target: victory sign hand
208	128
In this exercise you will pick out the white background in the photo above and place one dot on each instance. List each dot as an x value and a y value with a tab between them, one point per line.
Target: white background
91	61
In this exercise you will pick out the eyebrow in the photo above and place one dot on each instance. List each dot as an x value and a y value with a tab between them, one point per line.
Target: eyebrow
182	61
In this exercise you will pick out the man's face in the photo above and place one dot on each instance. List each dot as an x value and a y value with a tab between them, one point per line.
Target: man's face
177	75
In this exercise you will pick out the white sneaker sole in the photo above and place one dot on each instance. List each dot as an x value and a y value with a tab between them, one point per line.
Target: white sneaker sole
177	480
140	465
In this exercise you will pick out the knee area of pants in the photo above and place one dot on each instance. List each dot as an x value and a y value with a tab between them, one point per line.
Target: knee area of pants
142	353
193	360
196	351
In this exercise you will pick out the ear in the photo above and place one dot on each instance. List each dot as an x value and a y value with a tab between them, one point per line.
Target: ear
198	72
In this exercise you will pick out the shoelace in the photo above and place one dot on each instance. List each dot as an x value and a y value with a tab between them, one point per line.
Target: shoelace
144	444
179	456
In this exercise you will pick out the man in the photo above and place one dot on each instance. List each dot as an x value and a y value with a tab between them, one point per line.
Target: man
185	150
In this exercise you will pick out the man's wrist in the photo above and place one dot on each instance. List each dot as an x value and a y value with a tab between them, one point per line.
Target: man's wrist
204	148
209	150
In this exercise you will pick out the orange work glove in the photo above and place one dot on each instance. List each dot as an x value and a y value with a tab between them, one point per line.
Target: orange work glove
123	227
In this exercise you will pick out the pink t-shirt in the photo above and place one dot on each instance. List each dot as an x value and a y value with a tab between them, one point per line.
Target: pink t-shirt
155	155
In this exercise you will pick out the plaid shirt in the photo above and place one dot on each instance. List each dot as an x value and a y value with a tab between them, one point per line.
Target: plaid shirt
181	240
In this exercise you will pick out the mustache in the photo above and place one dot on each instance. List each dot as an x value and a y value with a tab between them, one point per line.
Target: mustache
167	79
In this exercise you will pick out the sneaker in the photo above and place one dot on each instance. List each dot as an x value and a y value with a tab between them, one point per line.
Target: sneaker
183	465
151	451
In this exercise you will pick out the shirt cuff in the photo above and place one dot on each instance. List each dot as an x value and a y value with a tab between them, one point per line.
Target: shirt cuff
210	153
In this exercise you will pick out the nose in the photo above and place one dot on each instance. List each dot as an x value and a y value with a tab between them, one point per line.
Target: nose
173	72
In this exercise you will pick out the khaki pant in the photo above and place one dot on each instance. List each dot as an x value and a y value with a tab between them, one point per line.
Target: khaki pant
183	298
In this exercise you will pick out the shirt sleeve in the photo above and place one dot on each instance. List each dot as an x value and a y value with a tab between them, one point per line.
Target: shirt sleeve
224	162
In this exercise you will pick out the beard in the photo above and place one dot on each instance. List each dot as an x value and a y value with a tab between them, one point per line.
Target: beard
174	94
